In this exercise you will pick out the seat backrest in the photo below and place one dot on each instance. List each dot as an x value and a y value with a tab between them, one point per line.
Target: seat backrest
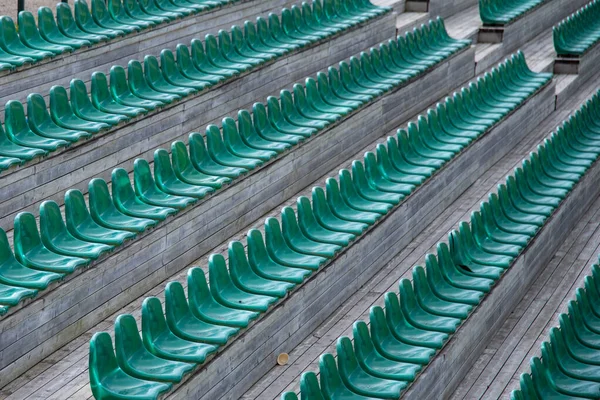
309	387
79	95
118	81
142	177
14	118
46	22
8	31
102	360
6	254
59	102
176	305
99	10
27	27
64	17
153	321
76	211
99	197
51	221
198	291
127	338
25	235
121	186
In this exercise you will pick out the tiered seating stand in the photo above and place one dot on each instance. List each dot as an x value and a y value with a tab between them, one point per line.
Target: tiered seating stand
57	316
233	370
139	137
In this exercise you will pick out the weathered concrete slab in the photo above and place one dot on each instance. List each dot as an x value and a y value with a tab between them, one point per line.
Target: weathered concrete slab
24	188
246	360
443	375
36	329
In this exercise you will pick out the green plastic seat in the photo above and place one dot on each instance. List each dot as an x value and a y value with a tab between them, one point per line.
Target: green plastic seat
392	348
542	382
30	36
202	160
400	327
139	87
86	22
311	228
120	91
276	126
204	64
84	109
279	250
228	294
148	192
360	381
340	207
206	308
10	42
420	317
236	145
57	238
127	202
454	273
255	42
219	152
41	123
230	53
432	303
186	172
108	380
190	70
364	197
50	31
253	139
159	82
67	26
104	101
328	219
160	341
81	225
244	277
117	12
31	252
266	267
241	45
137	361
63	115
215	57
173	75
168	182
150	7
106	214
185	325
133	9
374	362
14	273
103	19
20	133
297	241
332	385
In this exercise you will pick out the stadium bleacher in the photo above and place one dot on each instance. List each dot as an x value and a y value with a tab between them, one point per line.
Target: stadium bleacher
336	199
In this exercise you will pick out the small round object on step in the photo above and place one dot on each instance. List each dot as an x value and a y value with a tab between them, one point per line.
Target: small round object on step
283	358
